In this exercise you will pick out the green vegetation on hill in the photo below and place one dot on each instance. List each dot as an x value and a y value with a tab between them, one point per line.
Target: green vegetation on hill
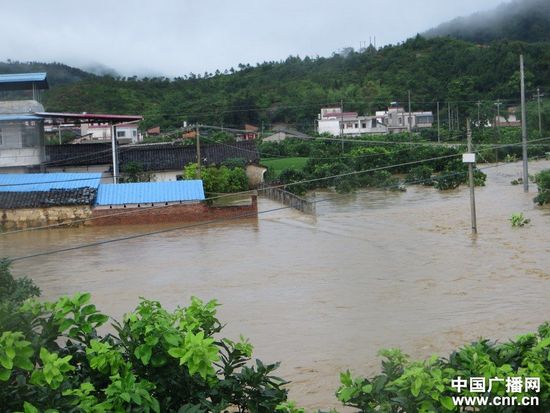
526	20
439	69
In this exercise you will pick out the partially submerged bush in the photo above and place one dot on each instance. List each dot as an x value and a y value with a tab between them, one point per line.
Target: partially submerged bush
421	175
518	219
542	180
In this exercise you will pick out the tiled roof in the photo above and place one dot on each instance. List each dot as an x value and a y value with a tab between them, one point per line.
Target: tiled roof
152	157
46	182
54	197
150	192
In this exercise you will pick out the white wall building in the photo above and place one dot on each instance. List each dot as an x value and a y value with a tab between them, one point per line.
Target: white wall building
99	132
333	121
21	135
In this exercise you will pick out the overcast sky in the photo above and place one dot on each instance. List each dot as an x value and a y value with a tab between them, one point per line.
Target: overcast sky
176	37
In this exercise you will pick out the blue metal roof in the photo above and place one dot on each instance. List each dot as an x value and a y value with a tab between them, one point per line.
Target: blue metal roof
46	182
150	192
15	81
6	118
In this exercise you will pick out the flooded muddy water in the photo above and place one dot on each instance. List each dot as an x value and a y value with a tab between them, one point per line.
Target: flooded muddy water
323	294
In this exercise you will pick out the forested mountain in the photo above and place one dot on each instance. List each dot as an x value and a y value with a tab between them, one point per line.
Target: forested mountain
526	20
439	69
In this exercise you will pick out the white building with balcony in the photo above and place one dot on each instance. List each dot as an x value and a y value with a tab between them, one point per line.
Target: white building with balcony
334	121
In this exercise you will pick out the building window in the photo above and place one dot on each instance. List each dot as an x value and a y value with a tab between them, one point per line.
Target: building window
373	124
134	133
364	125
356	125
120	134
424	119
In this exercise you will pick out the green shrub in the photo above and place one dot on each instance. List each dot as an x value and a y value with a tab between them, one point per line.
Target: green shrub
292	177
425	386
421	174
218	179
543	182
134	172
518	219
54	360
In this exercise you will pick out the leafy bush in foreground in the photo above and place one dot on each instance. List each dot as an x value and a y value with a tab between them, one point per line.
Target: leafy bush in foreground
425	386
52	359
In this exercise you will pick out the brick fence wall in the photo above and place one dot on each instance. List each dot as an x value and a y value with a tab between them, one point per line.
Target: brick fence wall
172	213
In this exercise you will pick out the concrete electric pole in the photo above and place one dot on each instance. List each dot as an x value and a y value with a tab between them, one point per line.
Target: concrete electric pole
524	127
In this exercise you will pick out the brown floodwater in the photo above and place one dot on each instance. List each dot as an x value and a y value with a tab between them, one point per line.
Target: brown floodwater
323	294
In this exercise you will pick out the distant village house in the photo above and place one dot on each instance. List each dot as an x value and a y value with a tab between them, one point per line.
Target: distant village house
334	121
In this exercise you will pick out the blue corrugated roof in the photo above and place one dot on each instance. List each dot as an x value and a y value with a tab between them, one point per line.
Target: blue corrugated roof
23	80
46	182
4	118
150	192
23	77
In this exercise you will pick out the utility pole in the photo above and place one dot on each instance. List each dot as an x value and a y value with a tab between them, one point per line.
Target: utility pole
59	130
478	114
115	154
342	123
438	132
198	143
410	121
524	127
497	120
449	120
540	115
497	126
471	163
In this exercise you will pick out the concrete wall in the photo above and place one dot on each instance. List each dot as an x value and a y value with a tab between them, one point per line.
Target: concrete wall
172	213
255	175
12	219
20	157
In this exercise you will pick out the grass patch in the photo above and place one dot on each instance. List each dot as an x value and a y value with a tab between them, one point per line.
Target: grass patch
280	164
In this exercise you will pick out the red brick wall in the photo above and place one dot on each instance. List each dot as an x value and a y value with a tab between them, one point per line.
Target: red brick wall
171	213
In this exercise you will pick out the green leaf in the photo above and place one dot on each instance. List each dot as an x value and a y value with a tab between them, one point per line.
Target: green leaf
6	362
416	386
447	403
98	319
82	298
29	408
5	375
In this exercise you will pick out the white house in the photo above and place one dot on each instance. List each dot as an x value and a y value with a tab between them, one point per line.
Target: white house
398	120
21	129
334	121
126	132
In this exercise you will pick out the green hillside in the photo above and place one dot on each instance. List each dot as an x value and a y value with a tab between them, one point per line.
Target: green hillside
439	69
526	20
